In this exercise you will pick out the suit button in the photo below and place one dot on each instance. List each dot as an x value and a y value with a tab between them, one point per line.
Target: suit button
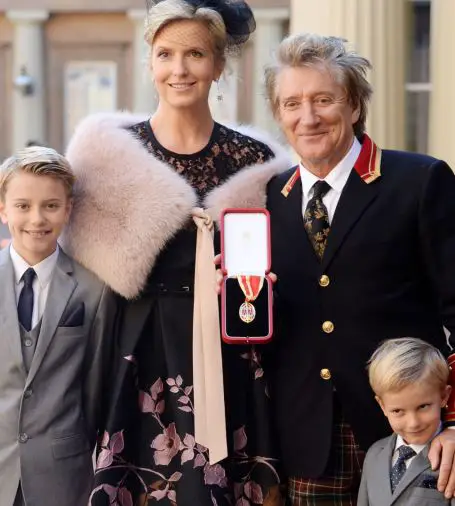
28	343
28	393
325	374
23	437
328	327
324	281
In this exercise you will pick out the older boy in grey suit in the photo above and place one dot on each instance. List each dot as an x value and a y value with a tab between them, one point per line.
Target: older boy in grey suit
409	378
55	332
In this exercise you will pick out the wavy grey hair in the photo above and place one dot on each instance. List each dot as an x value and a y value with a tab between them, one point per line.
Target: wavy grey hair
167	11
348	67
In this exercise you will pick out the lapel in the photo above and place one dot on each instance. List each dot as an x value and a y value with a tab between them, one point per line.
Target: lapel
297	235
380	474
418	465
9	323
60	290
355	198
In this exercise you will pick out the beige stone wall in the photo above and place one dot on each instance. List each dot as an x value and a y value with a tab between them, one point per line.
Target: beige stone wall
79	37
6	37
377	29
67	37
105	30
442	104
103	5
6	30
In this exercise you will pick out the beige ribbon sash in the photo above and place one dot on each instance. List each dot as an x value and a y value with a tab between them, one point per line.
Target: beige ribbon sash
209	409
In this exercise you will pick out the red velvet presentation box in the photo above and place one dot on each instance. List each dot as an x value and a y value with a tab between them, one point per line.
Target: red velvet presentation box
246	291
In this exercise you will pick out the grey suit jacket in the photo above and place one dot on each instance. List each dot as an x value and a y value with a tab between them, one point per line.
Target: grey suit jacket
49	417
375	487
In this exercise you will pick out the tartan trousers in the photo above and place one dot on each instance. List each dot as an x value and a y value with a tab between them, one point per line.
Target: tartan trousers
340	483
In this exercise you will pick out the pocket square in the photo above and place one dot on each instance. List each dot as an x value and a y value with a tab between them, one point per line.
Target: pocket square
428	481
75	317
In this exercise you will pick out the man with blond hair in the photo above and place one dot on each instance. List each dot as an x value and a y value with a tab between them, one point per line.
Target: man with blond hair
363	245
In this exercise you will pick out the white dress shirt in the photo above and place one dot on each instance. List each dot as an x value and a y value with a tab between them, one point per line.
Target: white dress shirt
401	442
44	271
337	179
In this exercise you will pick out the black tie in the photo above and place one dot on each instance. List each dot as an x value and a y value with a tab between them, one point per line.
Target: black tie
398	470
25	305
316	218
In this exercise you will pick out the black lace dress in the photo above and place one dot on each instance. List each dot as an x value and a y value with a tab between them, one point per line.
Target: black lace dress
148	453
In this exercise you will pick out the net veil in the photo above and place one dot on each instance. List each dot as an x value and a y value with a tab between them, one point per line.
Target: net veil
237	17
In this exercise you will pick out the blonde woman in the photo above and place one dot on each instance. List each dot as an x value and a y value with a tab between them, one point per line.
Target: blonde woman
138	182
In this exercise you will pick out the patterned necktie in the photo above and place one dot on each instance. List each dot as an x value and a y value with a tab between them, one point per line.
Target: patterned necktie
398	470
25	305
316	218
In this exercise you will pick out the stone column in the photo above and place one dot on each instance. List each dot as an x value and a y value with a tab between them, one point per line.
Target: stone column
268	35
377	30
145	99
29	112
442	104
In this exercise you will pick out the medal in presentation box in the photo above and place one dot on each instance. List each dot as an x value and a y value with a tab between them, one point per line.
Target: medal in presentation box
246	290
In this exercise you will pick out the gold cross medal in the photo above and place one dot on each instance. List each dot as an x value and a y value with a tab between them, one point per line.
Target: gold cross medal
251	287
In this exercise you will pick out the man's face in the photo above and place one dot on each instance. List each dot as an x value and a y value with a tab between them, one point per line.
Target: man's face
315	115
414	412
36	208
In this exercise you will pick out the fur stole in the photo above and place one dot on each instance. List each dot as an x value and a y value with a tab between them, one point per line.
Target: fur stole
128	204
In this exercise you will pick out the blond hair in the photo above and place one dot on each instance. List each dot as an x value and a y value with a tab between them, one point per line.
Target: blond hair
398	363
38	160
348	67
168	11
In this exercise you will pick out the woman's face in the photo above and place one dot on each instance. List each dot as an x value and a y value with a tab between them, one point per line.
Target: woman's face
184	63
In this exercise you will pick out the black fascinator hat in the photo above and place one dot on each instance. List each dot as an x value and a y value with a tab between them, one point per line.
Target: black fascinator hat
237	16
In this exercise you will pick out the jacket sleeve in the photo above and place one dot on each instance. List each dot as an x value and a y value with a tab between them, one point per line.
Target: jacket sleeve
362	499
437	232
99	363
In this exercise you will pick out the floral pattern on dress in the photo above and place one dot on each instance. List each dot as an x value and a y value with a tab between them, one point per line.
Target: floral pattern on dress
169	445
148	453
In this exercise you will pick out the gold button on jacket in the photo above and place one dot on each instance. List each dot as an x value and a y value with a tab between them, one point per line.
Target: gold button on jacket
328	327
326	374
324	280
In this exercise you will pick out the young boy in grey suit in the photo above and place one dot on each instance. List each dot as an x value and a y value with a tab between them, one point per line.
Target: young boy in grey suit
409	378
56	321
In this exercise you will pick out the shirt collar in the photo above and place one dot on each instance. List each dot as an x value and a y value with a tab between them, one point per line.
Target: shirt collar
401	442
417	448
43	269
337	177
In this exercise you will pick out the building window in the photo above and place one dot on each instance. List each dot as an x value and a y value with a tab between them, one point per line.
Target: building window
90	87
418	86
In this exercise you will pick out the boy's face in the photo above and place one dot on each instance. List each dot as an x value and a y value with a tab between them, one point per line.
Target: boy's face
414	412
36	208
